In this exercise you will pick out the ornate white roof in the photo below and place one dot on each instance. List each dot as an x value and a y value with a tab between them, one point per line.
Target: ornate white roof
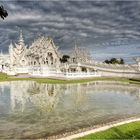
42	45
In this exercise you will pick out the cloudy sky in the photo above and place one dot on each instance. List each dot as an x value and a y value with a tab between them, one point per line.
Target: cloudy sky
107	28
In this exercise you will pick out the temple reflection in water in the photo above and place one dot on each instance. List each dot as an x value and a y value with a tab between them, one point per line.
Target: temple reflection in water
18	96
32	110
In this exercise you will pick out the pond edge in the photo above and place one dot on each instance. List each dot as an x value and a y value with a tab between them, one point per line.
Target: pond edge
100	128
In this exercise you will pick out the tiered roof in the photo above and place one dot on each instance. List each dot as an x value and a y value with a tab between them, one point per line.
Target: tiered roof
41	46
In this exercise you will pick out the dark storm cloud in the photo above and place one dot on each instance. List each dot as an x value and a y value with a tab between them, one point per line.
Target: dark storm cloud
91	23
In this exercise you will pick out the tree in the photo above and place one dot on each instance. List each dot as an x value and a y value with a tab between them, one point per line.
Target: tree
64	58
107	61
3	12
121	61
114	61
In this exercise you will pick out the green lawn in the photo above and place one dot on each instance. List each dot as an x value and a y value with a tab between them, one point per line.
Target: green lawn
5	77
126	131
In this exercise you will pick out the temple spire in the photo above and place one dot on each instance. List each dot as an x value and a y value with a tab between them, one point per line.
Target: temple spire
21	40
1	53
11	47
75	45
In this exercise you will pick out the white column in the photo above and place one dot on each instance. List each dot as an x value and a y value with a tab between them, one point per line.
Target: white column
88	71
78	69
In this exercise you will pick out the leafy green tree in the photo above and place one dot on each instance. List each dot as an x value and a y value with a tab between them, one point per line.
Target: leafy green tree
107	61
114	61
64	58
3	12
121	61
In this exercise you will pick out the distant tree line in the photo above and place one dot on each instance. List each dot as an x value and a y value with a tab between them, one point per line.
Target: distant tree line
3	12
65	59
114	61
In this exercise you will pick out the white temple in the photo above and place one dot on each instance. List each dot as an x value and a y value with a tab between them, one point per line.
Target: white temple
42	59
42	53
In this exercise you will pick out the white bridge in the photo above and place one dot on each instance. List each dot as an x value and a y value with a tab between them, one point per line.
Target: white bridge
100	66
103	69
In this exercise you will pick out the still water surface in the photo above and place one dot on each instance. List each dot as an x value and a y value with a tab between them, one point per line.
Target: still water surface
32	110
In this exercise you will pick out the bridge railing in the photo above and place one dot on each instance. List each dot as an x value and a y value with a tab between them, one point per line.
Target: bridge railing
112	66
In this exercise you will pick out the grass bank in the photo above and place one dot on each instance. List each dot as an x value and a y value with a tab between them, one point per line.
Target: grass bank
125	131
5	77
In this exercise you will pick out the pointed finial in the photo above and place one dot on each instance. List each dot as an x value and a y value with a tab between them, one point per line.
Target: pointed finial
1	52
11	45
21	40
75	45
21	36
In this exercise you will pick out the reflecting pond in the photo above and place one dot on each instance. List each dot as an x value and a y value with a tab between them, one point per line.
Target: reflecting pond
32	110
